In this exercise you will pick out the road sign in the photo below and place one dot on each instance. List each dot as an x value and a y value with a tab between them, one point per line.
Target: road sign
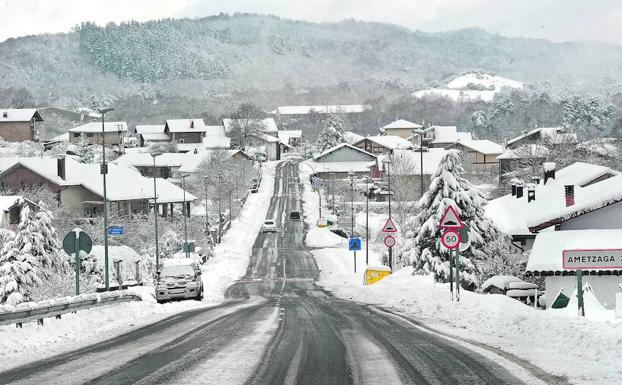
450	219
317	183
115	230
450	239
389	241
464	234
594	259
389	227
354	244
84	242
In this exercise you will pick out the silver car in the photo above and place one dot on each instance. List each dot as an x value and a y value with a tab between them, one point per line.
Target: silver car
179	281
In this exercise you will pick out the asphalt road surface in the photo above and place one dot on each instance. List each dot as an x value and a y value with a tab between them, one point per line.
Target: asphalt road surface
277	328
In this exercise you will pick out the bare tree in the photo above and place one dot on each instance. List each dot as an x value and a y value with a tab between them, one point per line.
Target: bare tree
246	120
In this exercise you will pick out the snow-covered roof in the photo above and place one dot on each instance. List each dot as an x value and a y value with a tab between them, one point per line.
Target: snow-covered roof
213	142
401	123
61	138
144	159
449	134
553	211
94	127
352	137
547	252
526	151
327	109
186	125
515	215
268	124
341	167
8	201
485	80
170	193
286	135
150	128
392	142
192	162
19	115
160	136
500	281
215	131
553	134
483	146
431	160
340	146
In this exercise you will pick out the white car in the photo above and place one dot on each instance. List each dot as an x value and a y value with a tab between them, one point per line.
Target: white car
268	226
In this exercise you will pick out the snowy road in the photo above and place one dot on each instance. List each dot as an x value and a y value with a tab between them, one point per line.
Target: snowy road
277	328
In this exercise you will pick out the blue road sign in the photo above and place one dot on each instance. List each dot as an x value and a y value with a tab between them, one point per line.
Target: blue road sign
115	230
354	244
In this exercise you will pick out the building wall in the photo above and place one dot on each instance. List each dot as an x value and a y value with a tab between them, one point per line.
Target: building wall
272	150
22	177
187	137
605	287
345	154
401	132
373	148
16	131
605	218
112	138
73	196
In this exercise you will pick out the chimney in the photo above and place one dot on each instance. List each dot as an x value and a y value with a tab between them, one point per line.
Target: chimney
549	171
5	114
535	180
569	193
531	192
513	185
191	123
519	189
60	167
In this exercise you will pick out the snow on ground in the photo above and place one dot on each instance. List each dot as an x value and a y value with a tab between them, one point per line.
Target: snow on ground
86	327
583	350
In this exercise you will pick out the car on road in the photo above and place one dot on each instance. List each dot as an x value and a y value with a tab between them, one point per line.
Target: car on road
268	226
254	188
179	278
295	215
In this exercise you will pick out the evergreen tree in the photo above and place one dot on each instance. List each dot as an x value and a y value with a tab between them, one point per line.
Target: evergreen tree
18	265
47	246
448	188
332	134
84	152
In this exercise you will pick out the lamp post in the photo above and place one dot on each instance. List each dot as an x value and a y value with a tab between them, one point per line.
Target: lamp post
366	223
156	210
387	162
104	171
219	207
420	132
207	232
351	176
185	214
229	190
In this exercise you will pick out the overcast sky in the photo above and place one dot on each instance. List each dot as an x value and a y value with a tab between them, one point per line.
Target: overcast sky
557	20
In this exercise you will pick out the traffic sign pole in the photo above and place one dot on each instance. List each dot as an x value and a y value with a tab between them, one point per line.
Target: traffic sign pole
451	275
457	274
77	259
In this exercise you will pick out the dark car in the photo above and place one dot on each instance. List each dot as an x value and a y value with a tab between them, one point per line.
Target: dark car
294	214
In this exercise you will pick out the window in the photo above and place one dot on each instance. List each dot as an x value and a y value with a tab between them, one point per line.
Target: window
76	134
89	135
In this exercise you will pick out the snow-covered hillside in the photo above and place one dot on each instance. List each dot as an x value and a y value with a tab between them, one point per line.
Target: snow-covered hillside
471	86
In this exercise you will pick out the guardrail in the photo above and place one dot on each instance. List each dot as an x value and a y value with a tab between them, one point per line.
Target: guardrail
29	311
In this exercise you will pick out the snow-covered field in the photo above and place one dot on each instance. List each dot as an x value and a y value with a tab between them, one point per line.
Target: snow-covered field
585	351
20	346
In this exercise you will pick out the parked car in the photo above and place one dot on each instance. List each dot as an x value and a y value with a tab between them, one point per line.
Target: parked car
254	188
294	214
179	279
269	226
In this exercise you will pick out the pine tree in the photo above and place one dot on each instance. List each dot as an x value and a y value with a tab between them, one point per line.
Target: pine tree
47	246
18	266
84	152
448	187
332	134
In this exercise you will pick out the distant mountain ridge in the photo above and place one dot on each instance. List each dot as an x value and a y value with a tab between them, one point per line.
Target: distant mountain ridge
219	55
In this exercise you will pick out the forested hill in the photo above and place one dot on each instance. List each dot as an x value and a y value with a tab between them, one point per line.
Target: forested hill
218	55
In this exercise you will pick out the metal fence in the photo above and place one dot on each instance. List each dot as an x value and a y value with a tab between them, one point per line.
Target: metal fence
29	311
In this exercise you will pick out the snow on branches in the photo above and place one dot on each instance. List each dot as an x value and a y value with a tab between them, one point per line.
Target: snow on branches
448	188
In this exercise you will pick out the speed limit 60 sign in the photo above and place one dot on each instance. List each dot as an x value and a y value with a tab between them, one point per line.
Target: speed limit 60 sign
450	239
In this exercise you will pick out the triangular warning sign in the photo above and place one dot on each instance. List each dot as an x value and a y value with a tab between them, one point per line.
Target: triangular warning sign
389	227
450	219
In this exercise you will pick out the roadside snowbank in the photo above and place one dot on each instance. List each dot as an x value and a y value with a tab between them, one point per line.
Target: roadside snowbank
86	327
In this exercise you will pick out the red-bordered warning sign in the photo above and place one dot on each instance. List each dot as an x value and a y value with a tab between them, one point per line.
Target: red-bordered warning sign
389	227
450	219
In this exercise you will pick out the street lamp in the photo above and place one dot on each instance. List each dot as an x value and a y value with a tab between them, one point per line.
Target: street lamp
420	132
185	214
230	193
104	171
207	232
156	210
367	222
219	207
351	176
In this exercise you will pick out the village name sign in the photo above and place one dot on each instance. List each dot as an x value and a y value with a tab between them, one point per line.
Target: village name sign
610	259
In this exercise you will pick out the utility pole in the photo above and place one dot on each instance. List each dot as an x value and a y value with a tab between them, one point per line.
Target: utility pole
229	189
155	208
366	223
387	163
219	207
351	174
207	232
104	171
185	215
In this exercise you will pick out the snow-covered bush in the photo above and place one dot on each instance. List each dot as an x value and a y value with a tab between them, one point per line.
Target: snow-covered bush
448	188
332	134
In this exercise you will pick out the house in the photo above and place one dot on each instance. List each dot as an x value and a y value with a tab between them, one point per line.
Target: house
19	124
113	133
407	164
352	137
526	156
151	133
265	144
187	133
79	186
402	128
444	136
290	137
192	164
542	135
11	209
166	165
541	205
480	154
337	162
382	144
216	138
558	255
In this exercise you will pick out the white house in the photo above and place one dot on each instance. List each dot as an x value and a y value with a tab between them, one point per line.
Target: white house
337	162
